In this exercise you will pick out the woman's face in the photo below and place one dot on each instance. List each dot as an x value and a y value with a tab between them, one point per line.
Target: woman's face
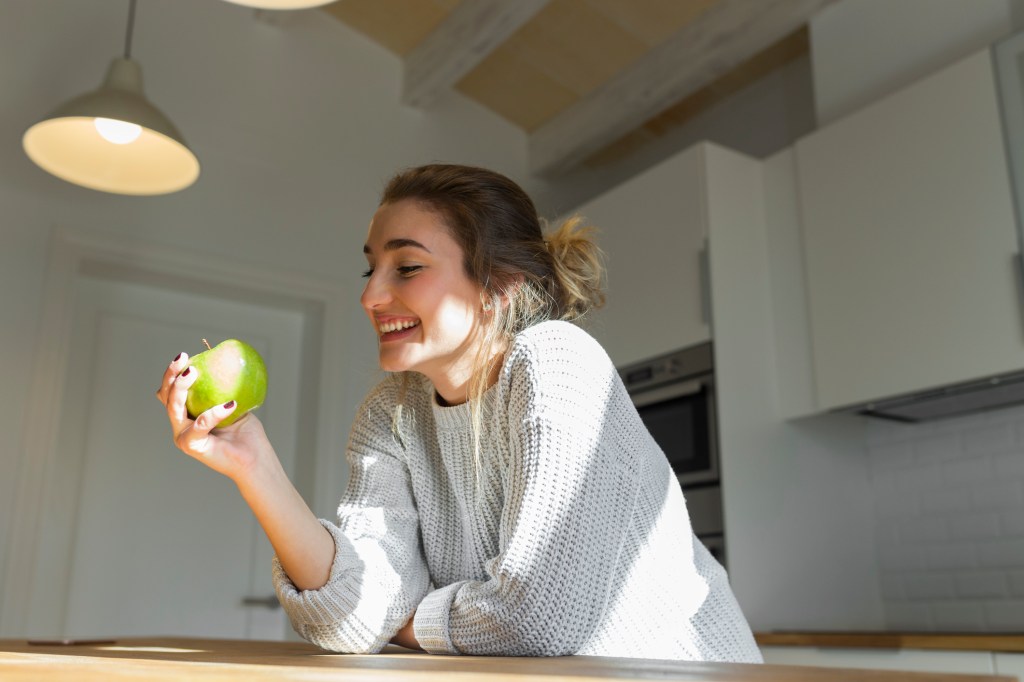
423	306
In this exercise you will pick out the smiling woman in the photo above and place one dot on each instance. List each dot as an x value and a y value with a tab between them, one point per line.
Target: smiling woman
505	497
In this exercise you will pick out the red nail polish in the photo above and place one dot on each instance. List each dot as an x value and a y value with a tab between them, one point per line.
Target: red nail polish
178	356
185	373
229	404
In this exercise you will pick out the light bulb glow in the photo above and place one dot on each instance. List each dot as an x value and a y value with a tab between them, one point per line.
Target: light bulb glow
118	132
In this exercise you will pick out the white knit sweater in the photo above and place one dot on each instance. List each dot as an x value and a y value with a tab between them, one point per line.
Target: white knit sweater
574	540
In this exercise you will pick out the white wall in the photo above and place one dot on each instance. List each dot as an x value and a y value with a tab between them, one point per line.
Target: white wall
296	124
862	50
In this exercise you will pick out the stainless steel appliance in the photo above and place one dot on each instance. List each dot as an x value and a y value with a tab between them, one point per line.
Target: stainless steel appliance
675	396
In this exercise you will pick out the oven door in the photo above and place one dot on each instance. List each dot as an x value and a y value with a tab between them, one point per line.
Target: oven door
681	418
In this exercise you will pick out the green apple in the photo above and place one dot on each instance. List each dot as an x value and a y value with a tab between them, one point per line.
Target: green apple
232	370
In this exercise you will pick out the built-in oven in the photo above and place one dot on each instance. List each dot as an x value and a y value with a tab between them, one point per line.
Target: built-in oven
675	396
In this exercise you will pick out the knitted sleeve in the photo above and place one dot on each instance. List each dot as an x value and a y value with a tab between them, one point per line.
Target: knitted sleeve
379	574
569	499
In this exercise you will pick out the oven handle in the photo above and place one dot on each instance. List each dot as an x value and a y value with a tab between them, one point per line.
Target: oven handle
669	391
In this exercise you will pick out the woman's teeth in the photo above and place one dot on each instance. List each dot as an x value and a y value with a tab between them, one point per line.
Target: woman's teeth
395	326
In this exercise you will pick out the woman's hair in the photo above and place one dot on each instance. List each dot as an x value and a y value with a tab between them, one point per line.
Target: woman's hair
527	276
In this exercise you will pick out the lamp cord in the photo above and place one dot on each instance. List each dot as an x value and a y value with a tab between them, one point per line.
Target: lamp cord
128	34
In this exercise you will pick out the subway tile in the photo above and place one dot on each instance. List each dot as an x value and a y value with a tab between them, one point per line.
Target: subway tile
894	504
923	530
929	586
886	535
1012	523
981	584
908	616
989	439
950	556
891	585
886	456
879	432
953	501
967	471
1007	554
941	447
1005	615
998	495
1009	465
1016	583
958	615
918	480
984	525
902	558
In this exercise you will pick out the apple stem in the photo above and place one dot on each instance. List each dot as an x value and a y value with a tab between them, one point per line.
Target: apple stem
207	344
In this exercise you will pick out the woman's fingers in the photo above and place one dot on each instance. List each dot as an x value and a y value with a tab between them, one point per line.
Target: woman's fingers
170	374
208	420
195	439
176	396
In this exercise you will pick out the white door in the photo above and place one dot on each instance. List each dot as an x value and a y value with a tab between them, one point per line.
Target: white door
140	539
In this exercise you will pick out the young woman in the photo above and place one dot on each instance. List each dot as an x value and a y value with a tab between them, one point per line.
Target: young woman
505	498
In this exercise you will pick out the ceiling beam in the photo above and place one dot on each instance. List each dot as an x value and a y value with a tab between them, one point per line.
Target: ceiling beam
720	39
463	39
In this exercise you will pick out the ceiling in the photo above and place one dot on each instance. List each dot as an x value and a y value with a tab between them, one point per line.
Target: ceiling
589	81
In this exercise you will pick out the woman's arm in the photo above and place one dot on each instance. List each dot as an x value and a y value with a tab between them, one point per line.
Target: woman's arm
303	546
407	637
243	453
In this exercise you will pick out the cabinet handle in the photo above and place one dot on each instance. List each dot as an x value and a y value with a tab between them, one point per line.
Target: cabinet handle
270	602
704	269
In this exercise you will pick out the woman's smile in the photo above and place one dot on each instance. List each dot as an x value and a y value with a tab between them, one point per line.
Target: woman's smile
396	330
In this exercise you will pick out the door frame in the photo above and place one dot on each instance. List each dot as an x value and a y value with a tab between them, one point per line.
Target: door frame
75	254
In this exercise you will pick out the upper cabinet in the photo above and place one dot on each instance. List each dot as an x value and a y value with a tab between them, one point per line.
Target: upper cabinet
910	242
653	229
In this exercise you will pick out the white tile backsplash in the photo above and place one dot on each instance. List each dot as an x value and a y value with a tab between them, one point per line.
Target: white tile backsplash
949	506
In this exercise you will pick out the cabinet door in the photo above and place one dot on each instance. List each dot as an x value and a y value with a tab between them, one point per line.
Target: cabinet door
1010	664
909	238
911	660
652	229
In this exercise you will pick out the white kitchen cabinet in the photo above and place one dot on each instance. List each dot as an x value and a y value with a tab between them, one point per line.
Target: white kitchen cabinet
911	660
1010	664
909	241
653	229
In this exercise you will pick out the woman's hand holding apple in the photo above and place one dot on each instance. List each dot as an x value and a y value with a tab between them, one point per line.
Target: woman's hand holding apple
233	450
242	452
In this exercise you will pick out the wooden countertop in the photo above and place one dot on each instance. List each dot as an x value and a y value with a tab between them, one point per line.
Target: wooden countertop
1012	642
211	660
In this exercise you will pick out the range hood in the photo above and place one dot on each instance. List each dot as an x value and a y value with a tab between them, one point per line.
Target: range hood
952	401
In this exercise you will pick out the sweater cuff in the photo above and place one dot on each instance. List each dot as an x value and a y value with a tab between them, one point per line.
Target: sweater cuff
430	624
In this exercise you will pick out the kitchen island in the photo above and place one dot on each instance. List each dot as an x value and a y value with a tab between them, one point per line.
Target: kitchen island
174	658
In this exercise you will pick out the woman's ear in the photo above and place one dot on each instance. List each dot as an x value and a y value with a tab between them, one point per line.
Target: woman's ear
511	289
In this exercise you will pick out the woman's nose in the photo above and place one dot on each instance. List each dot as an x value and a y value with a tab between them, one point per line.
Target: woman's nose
375	293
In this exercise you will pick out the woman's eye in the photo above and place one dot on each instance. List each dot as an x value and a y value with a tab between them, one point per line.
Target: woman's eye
407	270
368	272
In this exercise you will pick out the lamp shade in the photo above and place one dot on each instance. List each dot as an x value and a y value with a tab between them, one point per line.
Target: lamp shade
281	4
73	143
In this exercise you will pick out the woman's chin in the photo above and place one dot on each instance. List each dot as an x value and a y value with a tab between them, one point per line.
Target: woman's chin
393	364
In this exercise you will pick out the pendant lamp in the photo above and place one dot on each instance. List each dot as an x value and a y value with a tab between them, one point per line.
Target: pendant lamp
281	4
113	139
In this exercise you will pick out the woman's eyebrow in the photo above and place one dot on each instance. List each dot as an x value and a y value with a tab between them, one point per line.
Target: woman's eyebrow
394	244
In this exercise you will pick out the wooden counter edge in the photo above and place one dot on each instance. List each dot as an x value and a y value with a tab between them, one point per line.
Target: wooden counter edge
1013	643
